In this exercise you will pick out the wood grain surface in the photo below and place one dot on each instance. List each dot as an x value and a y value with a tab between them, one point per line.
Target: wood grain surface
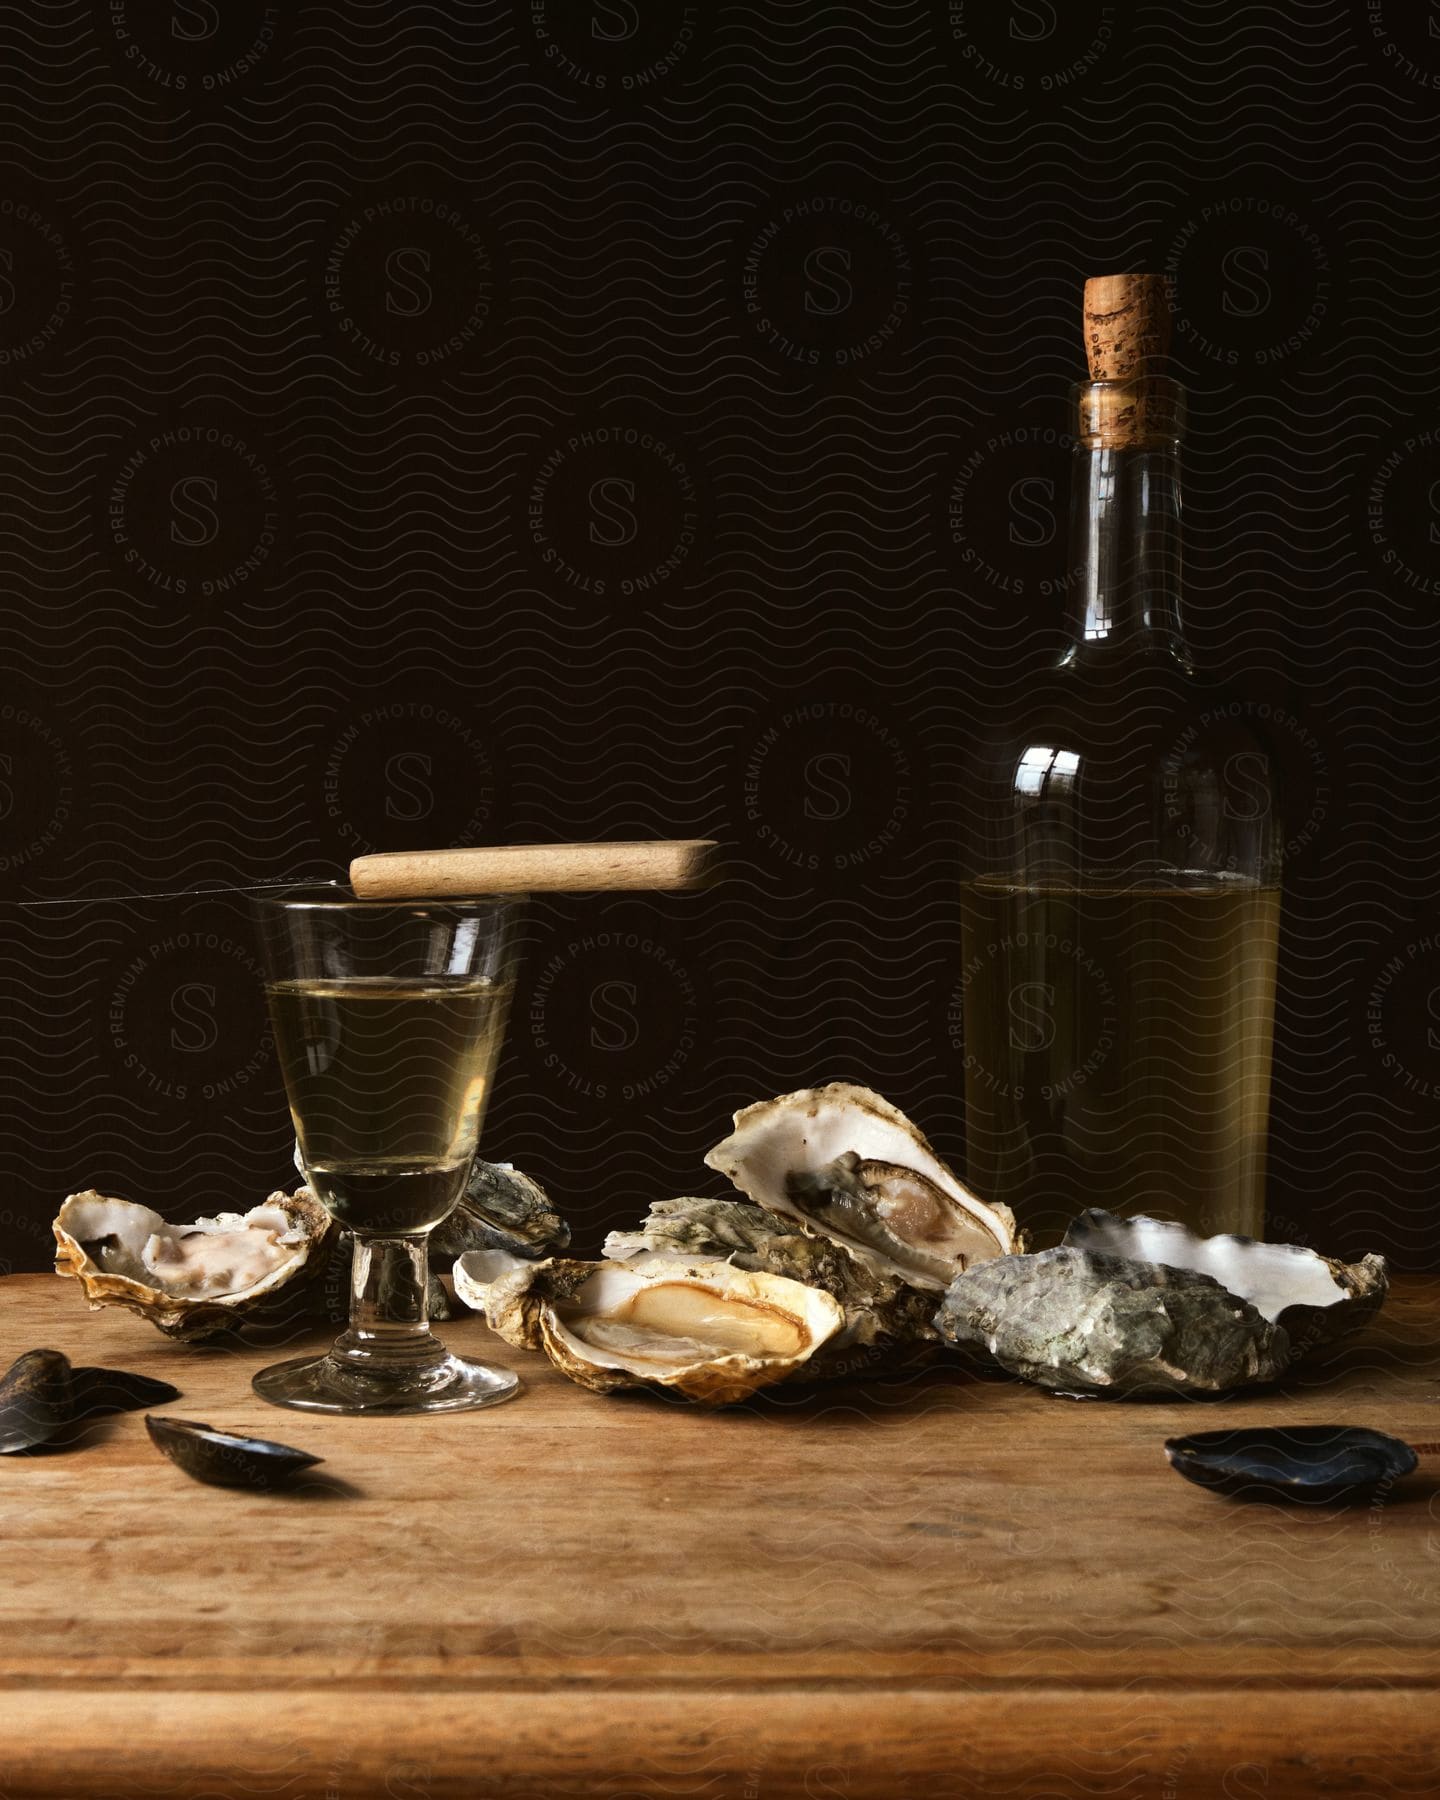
939	1587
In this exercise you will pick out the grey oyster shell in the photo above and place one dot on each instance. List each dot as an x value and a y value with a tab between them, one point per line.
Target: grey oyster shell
885	1318
502	1210
1296	1287
1084	1321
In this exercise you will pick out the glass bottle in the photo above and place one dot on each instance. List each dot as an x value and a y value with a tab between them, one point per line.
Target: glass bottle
1121	907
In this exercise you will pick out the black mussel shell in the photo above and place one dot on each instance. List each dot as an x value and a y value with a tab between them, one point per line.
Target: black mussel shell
37	1399
99	1391
1314	1463
222	1458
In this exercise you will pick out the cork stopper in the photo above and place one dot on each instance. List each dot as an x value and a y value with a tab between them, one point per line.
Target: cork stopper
1127	326
1130	403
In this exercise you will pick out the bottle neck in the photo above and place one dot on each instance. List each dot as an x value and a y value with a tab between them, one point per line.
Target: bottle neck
1125	550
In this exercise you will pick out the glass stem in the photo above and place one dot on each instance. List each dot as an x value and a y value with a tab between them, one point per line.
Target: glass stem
389	1320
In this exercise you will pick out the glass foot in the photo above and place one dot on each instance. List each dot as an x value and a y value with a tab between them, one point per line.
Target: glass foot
323	1384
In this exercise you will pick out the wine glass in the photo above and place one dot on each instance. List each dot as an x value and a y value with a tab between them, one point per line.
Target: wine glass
388	1018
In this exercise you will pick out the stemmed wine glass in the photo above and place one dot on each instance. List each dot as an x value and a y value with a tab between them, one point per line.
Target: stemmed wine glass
388	1018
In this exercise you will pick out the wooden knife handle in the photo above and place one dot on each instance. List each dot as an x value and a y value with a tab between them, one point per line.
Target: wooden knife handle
531	869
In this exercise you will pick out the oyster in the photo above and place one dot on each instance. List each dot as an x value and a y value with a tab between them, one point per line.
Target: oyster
1286	1283
191	1280
1088	1318
883	1314
501	1210
696	1327
849	1165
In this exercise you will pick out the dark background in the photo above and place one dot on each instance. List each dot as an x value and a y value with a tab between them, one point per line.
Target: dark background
594	419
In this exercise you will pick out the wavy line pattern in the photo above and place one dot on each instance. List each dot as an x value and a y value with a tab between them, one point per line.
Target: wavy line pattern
512	421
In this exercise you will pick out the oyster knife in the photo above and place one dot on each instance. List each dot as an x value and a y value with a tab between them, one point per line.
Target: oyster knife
493	869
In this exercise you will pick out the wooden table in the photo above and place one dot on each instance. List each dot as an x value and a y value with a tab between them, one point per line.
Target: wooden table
941	1587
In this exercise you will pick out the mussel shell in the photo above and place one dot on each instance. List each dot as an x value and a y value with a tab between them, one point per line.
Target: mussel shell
37	1399
100	1391
1307	1463
224	1459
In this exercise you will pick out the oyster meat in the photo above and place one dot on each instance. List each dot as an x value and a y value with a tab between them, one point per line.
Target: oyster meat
849	1165
883	1314
191	1280
700	1328
1102	1314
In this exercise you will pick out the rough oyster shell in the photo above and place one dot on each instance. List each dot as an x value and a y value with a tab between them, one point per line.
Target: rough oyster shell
883	1314
190	1280
849	1165
501	1210
1082	1320
1286	1283
696	1327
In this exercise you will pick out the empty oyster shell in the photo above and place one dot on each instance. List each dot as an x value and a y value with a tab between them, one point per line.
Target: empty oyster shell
883	1314
1082	1320
190	1280
222	1458
1312	1464
848	1164
699	1328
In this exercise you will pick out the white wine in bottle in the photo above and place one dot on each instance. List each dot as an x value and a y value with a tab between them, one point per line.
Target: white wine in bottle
1121	915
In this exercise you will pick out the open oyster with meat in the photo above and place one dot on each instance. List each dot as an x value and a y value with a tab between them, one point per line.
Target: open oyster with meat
197	1279
698	1328
886	1321
847	1165
847	1203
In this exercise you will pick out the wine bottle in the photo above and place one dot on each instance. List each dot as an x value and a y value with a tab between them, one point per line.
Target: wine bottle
1122	901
